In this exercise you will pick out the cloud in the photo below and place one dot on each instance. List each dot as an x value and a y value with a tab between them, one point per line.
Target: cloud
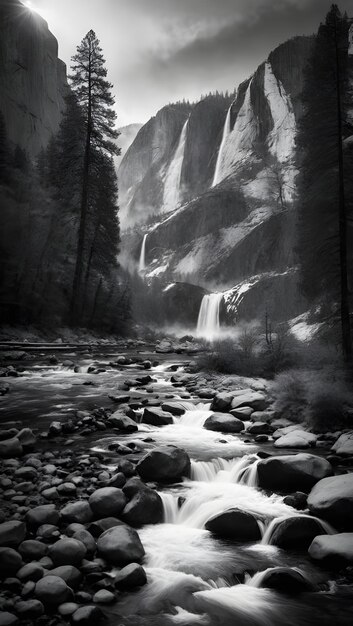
158	51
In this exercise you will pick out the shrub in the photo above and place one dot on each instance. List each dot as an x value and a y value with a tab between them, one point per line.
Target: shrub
249	354
321	398
290	392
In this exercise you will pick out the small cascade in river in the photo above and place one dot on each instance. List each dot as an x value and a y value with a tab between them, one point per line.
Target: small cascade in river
257	579
171	195
208	324
142	261
268	535
226	133
222	470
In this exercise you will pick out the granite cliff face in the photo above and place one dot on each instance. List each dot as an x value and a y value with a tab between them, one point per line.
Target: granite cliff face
233	227
171	160
32	77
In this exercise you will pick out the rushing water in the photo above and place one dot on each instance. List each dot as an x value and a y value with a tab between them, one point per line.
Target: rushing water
193	576
171	196
226	132
208	323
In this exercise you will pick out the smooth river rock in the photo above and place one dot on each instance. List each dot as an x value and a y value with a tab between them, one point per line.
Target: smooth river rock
224	423
295	533
294	472
334	548
332	499
234	524
164	464
145	505
107	501
12	533
120	545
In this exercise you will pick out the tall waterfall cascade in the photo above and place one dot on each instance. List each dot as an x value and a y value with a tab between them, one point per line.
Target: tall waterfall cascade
171	195
208	323
239	143
142	261
226	132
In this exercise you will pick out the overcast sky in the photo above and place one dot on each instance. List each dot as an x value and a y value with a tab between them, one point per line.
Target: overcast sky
159	51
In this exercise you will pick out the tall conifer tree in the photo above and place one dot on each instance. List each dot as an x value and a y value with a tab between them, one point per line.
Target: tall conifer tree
324	187
93	92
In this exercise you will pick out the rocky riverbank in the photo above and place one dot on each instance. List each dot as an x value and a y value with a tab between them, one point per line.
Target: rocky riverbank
135	490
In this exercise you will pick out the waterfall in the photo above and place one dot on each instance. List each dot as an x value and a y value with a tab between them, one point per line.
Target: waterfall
208	325
226	131
142	261
171	196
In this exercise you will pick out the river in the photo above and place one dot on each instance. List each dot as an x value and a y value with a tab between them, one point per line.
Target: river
193	577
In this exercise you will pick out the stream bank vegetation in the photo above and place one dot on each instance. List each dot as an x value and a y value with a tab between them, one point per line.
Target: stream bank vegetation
308	380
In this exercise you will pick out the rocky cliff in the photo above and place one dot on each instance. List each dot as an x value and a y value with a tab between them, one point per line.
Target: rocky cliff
32	77
234	222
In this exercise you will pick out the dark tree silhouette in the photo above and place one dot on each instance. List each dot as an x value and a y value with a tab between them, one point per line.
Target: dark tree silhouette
93	92
324	188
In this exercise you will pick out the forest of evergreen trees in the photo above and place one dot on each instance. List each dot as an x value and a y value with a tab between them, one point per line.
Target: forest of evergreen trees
60	229
325	181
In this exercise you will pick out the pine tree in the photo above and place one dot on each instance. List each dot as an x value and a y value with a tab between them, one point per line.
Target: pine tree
93	92
324	181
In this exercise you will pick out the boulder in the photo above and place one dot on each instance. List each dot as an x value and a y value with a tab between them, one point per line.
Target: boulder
117	480
253	399
29	609
87	616
103	596
10	448
285	580
79	512
222	402
12	533
67	551
27	438
43	514
68	608
296	439
234	524
10	562
260	428
344	444
70	574
164	464
101	525
88	541
292	472
298	500
145	505
333	549
295	533
8	619
130	577
122	422
176	408
120	545
52	591
32	550
55	428
156	417
107	501
30	571
243	413
224	423
332	499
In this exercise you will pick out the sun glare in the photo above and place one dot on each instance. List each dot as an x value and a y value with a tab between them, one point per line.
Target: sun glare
29	5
